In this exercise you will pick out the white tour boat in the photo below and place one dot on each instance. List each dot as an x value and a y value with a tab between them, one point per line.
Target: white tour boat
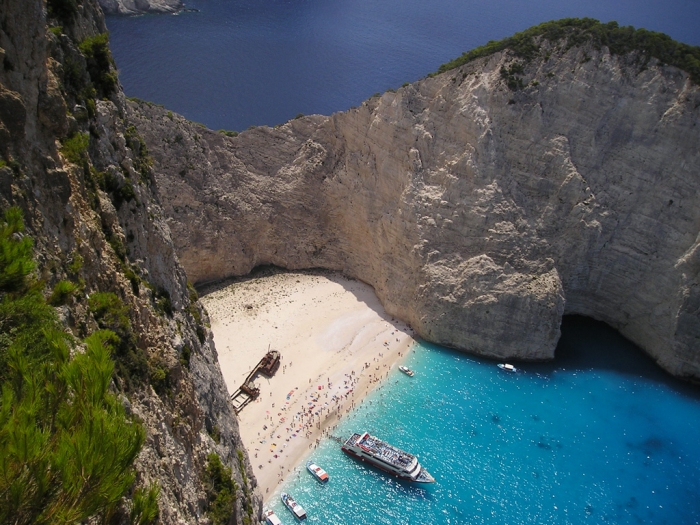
293	506
507	367
406	370
317	472
271	518
386	457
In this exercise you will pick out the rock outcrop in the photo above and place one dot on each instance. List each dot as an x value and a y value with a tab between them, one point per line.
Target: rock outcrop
479	214
140	7
73	163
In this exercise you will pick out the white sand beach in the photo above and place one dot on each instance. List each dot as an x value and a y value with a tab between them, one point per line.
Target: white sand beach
337	343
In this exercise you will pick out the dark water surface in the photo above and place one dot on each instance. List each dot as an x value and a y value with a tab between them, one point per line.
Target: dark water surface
238	63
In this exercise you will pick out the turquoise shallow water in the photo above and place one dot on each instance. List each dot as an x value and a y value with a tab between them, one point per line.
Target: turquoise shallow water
599	436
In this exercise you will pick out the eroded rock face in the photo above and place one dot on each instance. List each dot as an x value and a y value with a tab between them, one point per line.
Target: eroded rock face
479	215
113	238
139	7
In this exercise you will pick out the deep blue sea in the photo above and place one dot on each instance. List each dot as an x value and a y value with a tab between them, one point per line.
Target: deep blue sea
601	435
238	63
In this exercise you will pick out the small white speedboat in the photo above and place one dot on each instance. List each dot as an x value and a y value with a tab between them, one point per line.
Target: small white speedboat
406	370
293	506
271	518
507	367
317	472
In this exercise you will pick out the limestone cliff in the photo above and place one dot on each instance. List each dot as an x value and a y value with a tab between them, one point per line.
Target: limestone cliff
139	7
478	213
73	163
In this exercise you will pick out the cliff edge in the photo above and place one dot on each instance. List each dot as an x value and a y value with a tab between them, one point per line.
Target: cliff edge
482	204
140	7
76	169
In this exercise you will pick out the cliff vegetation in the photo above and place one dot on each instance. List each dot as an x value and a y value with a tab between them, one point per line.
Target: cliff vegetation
112	399
575	32
66	445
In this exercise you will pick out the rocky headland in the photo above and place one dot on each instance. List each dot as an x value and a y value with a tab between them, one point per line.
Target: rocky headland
75	166
140	7
482	204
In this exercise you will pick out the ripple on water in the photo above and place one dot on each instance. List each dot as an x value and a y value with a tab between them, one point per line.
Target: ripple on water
579	440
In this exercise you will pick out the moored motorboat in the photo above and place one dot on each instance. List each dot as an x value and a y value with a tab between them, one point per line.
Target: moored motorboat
317	472
406	370
507	367
271	518
386	457
293	506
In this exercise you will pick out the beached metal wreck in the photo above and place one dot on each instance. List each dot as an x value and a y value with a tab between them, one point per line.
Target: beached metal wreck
247	392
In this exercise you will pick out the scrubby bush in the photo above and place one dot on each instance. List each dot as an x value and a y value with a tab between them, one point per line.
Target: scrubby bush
116	243
163	302
185	356
142	160
99	63
193	310
74	148
580	31
160	380
144	507
111	314
62	292
120	190
221	490
66	446
511	76
15	253
133	277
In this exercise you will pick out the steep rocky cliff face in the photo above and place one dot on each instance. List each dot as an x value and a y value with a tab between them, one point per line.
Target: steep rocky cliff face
479	214
73	163
139	7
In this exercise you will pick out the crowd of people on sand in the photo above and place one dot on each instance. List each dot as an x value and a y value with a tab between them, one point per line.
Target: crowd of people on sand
322	408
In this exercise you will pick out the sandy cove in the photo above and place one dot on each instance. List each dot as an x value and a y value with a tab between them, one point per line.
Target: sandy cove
337	343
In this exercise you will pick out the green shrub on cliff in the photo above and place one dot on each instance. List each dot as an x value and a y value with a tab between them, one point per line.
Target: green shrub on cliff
510	75
579	31
111	314
99	62
62	292
144	508
221	490
15	254
75	147
66	446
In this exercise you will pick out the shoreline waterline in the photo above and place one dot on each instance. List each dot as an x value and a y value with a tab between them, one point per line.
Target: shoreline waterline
598	435
337	344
